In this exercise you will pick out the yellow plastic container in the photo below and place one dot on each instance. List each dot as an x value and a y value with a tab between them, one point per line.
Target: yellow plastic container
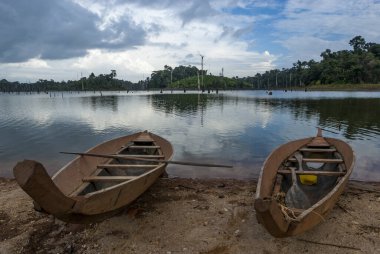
308	179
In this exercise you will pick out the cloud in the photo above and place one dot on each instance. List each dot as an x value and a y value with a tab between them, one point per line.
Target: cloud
133	37
306	28
197	10
309	47
136	37
327	17
59	30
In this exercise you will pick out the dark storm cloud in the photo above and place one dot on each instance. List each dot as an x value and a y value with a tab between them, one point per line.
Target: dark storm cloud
58	30
198	10
187	10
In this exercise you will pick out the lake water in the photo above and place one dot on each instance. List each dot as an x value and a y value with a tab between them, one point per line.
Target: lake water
238	128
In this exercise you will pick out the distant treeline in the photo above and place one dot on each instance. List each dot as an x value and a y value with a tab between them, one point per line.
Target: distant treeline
163	78
357	66
91	83
190	77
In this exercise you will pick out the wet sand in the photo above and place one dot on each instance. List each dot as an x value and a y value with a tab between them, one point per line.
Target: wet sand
189	216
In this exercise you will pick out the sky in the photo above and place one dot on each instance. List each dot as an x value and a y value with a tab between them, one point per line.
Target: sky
68	39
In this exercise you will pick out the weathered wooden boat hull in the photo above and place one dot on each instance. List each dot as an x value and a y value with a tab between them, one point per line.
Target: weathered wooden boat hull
64	195
268	210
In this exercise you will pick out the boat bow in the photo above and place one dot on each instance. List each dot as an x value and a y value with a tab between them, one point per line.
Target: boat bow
35	181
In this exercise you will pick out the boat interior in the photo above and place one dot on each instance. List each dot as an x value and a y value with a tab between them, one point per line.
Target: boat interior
307	175
117	170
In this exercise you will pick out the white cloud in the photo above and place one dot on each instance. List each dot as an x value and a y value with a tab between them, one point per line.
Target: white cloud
332	17
33	63
309	27
171	35
309	47
170	31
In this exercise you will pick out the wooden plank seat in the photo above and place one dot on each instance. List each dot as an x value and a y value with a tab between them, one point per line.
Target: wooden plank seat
144	137
318	150
136	141
107	178
126	166
321	160
326	173
143	147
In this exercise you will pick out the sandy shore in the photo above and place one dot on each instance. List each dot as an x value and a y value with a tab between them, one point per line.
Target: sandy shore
189	216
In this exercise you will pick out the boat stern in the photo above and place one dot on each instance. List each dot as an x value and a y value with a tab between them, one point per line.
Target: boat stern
269	214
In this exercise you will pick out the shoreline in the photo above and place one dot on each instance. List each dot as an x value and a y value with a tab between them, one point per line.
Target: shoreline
313	88
179	215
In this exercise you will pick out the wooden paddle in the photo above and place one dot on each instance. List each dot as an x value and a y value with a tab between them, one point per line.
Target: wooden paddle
151	160
295	196
327	130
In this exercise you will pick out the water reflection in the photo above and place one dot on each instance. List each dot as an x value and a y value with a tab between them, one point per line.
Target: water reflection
355	118
238	128
244	129
110	102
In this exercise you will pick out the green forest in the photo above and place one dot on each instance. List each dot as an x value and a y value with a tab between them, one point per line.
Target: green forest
360	65
92	83
189	77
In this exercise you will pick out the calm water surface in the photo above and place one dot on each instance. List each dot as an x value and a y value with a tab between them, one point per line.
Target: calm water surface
239	128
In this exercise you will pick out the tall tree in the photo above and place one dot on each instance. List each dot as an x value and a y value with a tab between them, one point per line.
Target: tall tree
358	43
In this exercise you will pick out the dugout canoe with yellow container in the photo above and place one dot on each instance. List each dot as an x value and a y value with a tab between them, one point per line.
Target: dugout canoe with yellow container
300	182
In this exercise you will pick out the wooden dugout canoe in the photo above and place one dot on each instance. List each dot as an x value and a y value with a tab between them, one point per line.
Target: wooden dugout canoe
91	188
286	208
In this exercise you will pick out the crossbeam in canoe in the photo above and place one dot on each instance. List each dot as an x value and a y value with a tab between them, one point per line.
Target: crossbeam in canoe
321	160
326	173
143	147
318	150
127	166
107	178
142	141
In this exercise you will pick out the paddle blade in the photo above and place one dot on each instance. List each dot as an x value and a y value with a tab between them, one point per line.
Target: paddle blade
296	197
